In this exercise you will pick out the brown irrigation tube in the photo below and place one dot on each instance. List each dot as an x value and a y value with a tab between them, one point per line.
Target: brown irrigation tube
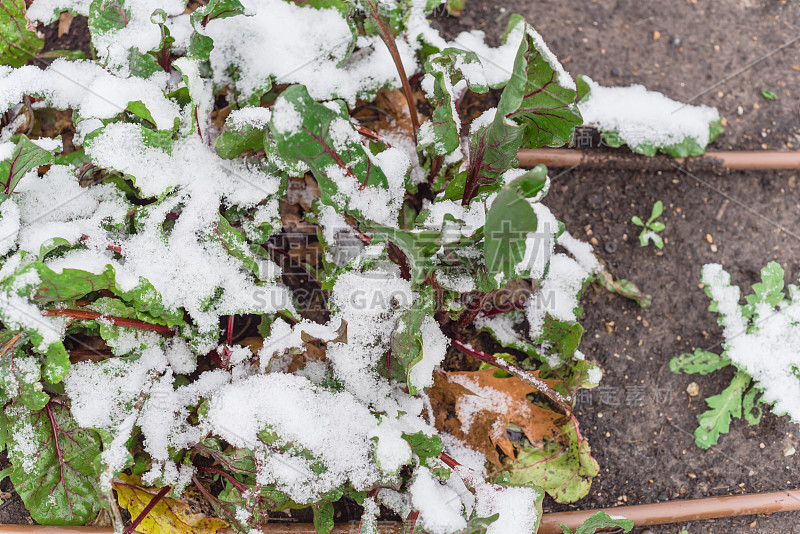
743	160
641	515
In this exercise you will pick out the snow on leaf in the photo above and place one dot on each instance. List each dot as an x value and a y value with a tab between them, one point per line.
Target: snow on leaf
485	406
446	83
540	95
53	464
647	121
168	516
18	40
508	223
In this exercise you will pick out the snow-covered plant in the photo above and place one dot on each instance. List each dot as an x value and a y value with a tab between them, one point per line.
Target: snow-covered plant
762	340
647	121
130	259
651	227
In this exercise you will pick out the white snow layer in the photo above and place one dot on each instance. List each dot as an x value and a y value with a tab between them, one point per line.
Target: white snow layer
642	117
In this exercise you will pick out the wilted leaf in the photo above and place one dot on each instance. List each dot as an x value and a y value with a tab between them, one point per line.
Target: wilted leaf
623	287
564	471
485	405
168	516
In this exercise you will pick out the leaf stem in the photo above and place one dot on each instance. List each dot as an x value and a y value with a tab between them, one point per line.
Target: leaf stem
153	502
565	403
117	321
388	37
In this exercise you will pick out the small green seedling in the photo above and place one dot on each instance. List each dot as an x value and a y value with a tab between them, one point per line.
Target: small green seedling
769	95
652	227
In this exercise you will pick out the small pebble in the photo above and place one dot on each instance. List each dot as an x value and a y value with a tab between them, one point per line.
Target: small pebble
789	451
693	389
676	41
656	35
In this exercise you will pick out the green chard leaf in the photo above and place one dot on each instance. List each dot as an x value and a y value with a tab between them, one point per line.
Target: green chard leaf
52	461
406	341
26	157
423	445
19	42
200	45
107	15
323	137
444	71
508	223
724	407
20	377
535	110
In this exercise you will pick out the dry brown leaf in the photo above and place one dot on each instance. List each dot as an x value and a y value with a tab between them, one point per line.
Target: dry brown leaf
168	516
64	22
476	407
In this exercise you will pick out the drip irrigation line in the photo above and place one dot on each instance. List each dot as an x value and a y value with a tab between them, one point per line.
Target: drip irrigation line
758	160
677	511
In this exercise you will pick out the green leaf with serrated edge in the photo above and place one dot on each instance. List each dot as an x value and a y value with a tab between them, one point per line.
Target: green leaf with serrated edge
723	407
443	72
770	289
52	460
508	223
700	361
623	287
751	406
311	141
423	445
565	472
545	107
26	156
600	521
19	41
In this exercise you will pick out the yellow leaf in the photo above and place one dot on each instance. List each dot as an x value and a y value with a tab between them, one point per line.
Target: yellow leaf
168	516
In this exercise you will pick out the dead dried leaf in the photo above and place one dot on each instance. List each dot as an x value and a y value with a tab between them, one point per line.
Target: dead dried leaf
476	407
168	516
64	22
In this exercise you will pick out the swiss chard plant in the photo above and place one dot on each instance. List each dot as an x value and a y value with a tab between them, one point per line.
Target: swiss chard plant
760	343
156	335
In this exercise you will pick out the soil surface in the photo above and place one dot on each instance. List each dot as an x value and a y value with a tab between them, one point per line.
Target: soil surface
640	421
